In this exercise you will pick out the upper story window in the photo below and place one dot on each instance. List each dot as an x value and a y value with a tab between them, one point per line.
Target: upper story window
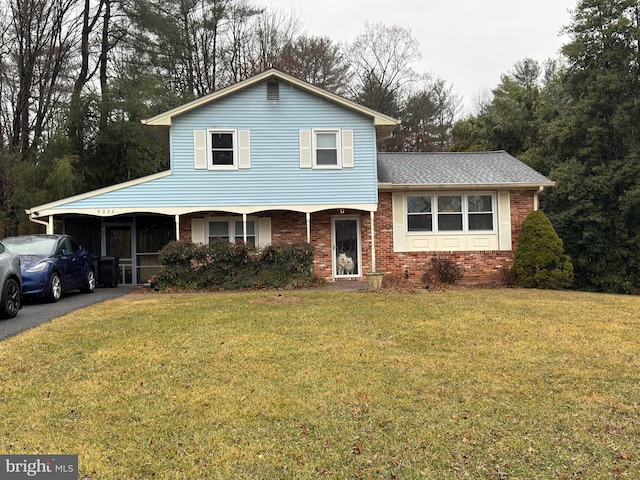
451	213
326	149
223	148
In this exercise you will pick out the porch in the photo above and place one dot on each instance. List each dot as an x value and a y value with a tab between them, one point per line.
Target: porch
342	238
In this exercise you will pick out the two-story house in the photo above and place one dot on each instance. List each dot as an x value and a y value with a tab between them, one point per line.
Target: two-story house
275	159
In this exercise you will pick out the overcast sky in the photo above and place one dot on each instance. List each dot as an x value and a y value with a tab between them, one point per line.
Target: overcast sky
468	43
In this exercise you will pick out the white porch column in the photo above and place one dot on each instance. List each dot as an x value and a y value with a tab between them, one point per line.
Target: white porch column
50	226
177	220
244	228
373	243
308	216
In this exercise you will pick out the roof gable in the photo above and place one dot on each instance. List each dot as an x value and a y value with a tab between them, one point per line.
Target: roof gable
384	124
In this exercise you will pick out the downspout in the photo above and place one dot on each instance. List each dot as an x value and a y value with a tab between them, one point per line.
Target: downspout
536	198
48	224
373	244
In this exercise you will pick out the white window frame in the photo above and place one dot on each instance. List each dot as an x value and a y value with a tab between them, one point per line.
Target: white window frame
234	135
465	213
314	147
231	227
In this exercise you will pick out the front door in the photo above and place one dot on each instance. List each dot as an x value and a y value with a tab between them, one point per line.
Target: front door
346	247
118	243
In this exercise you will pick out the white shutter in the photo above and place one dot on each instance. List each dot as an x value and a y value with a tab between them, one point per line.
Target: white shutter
347	148
264	231
200	149
244	149
305	148
197	231
398	222
504	221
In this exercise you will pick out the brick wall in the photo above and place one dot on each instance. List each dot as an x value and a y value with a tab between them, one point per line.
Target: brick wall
480	267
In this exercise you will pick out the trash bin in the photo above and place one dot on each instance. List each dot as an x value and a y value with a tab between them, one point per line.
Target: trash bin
108	272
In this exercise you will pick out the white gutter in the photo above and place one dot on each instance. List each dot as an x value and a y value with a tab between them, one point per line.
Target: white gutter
48	225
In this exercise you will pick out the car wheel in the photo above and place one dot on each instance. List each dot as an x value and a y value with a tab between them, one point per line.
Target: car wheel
55	287
11	299
90	282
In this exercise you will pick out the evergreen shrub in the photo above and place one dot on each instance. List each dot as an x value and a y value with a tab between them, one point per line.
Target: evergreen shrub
540	261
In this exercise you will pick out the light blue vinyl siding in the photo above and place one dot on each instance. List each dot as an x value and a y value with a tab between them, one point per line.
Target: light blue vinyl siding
275	176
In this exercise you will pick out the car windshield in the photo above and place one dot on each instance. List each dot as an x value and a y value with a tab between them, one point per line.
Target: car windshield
30	245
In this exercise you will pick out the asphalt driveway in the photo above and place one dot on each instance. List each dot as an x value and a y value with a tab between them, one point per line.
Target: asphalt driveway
34	313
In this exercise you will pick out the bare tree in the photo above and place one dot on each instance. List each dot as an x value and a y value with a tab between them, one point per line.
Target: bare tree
40	38
274	30
381	59
238	55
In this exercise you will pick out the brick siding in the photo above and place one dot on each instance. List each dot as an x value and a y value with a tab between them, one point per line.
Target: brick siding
480	267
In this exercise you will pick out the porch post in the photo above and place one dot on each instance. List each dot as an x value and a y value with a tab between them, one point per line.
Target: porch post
308	216
244	228
50	226
373	243
177	220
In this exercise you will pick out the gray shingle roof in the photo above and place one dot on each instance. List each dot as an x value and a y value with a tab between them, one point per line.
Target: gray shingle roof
456	168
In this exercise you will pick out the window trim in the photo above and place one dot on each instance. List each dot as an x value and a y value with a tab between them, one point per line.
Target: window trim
314	147
465	213
234	136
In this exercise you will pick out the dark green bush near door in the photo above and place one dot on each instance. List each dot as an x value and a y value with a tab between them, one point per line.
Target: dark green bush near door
226	266
540	261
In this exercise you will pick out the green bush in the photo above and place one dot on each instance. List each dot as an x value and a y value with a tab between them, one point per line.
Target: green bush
540	261
222	265
286	265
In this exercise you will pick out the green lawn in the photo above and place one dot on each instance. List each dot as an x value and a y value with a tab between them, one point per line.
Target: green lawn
501	384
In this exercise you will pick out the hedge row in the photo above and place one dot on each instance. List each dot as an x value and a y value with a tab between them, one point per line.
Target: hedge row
222	265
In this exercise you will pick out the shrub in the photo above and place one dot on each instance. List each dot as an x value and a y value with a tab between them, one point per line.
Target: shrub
540	261
443	270
224	265
286	265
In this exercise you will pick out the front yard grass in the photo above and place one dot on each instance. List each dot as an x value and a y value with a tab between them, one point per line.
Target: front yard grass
506	384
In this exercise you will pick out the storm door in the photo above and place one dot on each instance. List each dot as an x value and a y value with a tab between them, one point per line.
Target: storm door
346	247
118	244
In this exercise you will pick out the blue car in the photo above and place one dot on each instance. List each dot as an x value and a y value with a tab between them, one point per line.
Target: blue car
52	265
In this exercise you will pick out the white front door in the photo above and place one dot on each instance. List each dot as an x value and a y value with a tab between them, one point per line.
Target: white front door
347	256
